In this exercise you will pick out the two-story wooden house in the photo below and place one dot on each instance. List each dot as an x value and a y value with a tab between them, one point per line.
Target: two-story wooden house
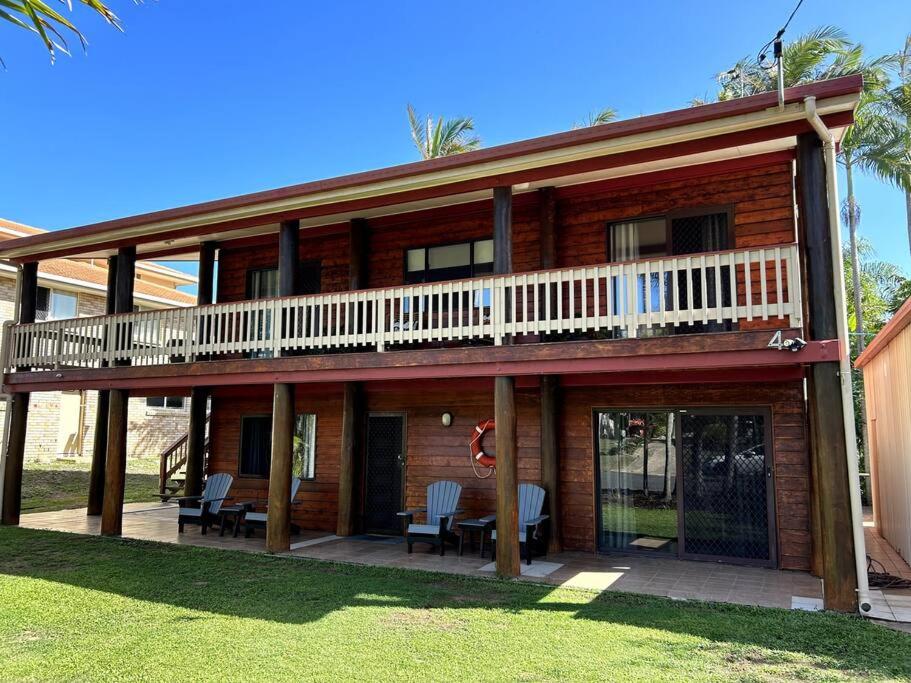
650	310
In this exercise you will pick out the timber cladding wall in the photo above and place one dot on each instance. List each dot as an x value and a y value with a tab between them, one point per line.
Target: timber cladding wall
435	452
761	201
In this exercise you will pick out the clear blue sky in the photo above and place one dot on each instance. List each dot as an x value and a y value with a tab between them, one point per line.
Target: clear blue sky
212	98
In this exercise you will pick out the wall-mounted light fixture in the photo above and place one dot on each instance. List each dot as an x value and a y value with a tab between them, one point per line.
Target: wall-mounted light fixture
447	419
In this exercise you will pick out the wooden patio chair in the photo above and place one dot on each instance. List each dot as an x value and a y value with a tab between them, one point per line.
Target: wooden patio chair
440	513
215	493
531	502
258	520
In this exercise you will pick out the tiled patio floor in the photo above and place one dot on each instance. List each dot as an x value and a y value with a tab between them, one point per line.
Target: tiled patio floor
635	574
889	603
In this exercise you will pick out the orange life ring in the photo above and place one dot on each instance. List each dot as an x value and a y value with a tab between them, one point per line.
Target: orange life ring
477	450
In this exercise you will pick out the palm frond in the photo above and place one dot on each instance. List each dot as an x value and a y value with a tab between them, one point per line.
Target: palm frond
443	137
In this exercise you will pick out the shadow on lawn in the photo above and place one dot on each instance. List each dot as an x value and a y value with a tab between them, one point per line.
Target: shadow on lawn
294	591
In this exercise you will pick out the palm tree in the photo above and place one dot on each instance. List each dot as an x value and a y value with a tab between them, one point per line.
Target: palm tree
443	138
901	100
48	24
598	118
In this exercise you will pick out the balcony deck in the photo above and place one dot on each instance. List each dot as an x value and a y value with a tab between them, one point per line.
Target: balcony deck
590	317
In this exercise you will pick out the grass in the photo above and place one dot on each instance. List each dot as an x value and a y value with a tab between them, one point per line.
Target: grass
63	484
88	608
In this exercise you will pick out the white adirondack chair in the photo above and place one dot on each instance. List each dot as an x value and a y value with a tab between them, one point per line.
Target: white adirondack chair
440	513
531	502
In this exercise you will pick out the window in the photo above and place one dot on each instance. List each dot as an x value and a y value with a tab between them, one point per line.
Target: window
262	283
165	402
449	261
55	305
256	446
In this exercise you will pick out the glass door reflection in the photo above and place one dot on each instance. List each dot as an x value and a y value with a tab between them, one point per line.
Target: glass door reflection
637	457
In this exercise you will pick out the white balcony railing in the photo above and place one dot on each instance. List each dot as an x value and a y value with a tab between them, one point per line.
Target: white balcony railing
691	293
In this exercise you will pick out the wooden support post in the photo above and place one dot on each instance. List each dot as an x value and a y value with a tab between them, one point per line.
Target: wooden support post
547	219
116	456
17	404
100	447
358	253
352	406
550	453
115	464
199	396
278	522
831	485
352	423
508	558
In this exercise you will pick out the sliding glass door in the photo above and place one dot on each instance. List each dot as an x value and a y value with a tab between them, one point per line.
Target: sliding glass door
685	483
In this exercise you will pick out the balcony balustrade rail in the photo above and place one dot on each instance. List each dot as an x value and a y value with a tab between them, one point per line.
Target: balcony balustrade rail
698	292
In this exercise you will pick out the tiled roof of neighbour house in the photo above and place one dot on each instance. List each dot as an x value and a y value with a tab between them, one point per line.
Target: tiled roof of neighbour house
87	273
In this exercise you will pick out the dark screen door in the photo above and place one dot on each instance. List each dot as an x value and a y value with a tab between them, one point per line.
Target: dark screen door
727	489
385	467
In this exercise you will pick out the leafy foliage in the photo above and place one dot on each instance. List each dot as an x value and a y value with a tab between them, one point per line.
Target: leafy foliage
882	285
50	25
443	138
598	118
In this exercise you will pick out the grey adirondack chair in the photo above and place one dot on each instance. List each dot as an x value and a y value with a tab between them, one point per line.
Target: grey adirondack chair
440	513
531	502
258	520
215	493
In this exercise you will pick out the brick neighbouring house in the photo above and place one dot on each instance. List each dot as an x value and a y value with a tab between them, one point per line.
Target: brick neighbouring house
62	424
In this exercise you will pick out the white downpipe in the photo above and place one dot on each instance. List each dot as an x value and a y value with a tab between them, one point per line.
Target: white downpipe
841	315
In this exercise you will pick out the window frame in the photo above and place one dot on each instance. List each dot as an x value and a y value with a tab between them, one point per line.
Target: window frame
669	217
51	293
426	248
268	416
164	402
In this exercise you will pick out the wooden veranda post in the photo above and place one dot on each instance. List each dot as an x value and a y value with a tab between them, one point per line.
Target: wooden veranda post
116	456
550	453
505	408
828	449
278	522
100	447
352	415
199	396
18	406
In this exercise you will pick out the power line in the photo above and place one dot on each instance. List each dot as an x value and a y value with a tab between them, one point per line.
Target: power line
776	40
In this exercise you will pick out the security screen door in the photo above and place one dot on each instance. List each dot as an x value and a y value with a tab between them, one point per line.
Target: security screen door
685	483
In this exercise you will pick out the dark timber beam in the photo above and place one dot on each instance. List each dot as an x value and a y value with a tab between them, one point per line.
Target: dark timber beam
116	457
505	408
17	404
199	396
831	487
278	523
352	424
550	454
352	405
547	219
100	447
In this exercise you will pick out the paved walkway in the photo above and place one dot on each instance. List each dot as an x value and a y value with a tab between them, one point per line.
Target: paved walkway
888	604
672	578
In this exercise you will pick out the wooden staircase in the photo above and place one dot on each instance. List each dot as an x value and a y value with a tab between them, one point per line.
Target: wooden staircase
172	461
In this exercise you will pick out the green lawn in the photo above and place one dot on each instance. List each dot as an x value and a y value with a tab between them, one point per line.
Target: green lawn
88	608
63	484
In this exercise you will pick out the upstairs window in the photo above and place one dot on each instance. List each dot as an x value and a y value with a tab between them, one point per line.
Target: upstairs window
262	283
256	446
55	305
685	232
449	262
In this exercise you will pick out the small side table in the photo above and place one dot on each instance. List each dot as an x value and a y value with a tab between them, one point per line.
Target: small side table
468	527
235	513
